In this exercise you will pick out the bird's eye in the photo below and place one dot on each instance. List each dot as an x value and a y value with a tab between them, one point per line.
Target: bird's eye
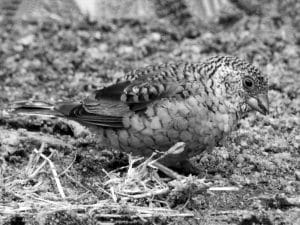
248	83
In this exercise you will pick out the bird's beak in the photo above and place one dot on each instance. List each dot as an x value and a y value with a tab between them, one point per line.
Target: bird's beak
259	103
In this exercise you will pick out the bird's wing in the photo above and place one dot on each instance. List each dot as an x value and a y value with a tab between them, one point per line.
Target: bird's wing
107	106
101	113
144	86
136	95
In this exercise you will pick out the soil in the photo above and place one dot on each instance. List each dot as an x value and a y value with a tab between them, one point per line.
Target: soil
55	60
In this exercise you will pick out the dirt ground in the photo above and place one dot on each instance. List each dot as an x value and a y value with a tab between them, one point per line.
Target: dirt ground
55	60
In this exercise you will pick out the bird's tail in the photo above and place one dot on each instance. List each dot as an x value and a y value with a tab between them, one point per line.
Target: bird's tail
34	108
42	108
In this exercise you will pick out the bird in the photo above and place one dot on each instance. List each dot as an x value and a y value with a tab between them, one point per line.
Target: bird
154	107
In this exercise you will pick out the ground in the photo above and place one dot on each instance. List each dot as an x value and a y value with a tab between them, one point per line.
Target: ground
60	60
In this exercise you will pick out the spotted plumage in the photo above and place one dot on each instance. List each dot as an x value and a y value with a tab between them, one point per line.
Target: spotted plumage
156	106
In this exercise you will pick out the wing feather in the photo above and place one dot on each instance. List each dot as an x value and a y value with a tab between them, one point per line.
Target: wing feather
107	106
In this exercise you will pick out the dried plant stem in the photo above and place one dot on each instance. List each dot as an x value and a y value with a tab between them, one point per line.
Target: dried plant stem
224	188
71	164
40	167
97	209
54	173
152	193
167	171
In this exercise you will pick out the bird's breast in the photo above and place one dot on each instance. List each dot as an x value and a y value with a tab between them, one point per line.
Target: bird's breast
198	123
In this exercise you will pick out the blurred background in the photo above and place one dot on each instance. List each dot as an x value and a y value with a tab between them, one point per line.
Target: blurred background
98	10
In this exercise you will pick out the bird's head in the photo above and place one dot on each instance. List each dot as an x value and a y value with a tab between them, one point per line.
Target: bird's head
244	87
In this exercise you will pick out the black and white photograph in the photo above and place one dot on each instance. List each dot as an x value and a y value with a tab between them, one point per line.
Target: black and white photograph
116	112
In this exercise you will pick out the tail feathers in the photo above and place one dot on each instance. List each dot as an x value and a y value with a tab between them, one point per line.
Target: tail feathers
66	108
35	108
71	110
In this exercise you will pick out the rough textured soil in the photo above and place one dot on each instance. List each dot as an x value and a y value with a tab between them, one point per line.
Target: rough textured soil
53	61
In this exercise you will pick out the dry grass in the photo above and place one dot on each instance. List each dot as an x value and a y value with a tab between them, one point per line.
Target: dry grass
135	193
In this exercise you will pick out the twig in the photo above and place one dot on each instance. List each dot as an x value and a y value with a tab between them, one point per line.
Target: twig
174	150
232	212
54	173
148	161
145	212
76	182
148	215
224	188
114	171
113	194
68	167
150	193
37	197
33	160
132	160
167	171
40	167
